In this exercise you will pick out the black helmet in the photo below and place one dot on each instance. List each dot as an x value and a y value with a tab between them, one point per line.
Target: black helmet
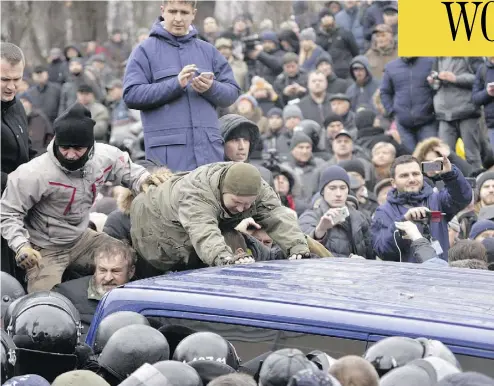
130	347
11	290
178	373
44	326
206	346
393	352
175	333
36	298
209	370
8	357
114	322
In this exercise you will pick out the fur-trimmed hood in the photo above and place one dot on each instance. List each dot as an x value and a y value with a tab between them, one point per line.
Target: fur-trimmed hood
426	146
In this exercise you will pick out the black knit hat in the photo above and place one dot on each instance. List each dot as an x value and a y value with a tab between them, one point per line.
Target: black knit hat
353	165
333	173
74	128
332	117
364	119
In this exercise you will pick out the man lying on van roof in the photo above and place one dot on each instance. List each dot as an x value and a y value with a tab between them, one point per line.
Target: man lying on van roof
185	213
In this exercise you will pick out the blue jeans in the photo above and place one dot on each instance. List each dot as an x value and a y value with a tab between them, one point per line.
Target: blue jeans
410	137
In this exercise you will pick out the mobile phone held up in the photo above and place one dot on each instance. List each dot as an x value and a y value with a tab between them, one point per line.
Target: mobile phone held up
207	74
432	167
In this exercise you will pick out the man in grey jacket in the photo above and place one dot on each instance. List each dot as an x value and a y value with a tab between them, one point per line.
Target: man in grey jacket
45	206
452	78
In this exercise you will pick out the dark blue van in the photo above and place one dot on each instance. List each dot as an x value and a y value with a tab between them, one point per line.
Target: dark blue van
340	306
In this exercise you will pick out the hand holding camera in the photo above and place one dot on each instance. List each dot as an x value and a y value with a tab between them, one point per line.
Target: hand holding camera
422	213
409	230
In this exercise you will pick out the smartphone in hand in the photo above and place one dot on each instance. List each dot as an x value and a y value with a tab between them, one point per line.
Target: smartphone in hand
207	75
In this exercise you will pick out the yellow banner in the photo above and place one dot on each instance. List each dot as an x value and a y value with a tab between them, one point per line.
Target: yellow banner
445	28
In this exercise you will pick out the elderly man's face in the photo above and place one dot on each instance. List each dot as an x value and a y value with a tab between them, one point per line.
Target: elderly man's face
111	271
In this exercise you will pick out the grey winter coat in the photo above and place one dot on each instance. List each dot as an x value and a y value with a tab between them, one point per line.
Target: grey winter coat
47	205
453	101
352	236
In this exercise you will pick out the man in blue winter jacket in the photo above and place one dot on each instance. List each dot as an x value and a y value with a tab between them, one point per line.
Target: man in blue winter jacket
409	200
178	81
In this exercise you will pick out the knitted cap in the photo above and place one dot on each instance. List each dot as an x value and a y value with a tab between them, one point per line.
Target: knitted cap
332	117
308	34
290	57
298	138
365	118
324	57
353	165
250	98
482	178
242	179
292	111
74	128
333	173
269	35
479	227
274	111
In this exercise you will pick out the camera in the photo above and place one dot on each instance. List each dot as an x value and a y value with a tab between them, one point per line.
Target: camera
249	43
271	160
342	215
432	166
435	75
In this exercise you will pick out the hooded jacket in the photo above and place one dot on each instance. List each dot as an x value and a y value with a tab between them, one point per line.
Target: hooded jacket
185	213
352	236
51	209
456	195
378	58
453	101
405	92
484	76
362	95
373	16
229	123
180	125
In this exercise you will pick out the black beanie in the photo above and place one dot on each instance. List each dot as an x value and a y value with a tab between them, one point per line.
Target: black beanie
333	173
364	119
332	117
74	128
300	137
354	165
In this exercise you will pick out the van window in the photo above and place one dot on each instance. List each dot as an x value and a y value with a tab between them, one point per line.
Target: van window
251	342
480	365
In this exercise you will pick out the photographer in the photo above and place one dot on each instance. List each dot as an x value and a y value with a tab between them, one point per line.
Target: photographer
339	227
411	200
268	57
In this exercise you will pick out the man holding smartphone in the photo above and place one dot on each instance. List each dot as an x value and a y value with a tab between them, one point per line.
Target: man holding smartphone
412	200
178	81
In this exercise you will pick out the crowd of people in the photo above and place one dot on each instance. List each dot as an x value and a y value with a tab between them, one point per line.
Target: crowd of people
198	146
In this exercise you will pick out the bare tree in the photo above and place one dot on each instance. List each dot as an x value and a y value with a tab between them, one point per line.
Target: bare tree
15	19
89	20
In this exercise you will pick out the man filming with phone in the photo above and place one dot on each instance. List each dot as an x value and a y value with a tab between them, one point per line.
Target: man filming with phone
412	200
178	81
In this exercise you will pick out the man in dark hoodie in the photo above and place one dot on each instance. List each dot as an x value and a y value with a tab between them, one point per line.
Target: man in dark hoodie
364	86
409	200
339	42
58	69
241	138
373	16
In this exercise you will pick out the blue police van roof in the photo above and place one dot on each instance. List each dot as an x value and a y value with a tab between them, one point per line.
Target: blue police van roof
373	297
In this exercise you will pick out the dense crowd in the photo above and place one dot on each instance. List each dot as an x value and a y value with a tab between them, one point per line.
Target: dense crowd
198	146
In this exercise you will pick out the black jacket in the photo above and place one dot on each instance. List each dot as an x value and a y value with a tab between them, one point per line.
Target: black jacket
342	46
16	146
283	80
269	65
77	292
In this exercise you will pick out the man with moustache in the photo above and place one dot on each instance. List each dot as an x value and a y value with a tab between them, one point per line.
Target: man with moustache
410	200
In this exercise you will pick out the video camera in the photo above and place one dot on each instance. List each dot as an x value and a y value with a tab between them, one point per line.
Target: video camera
271	160
432	216
249	43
